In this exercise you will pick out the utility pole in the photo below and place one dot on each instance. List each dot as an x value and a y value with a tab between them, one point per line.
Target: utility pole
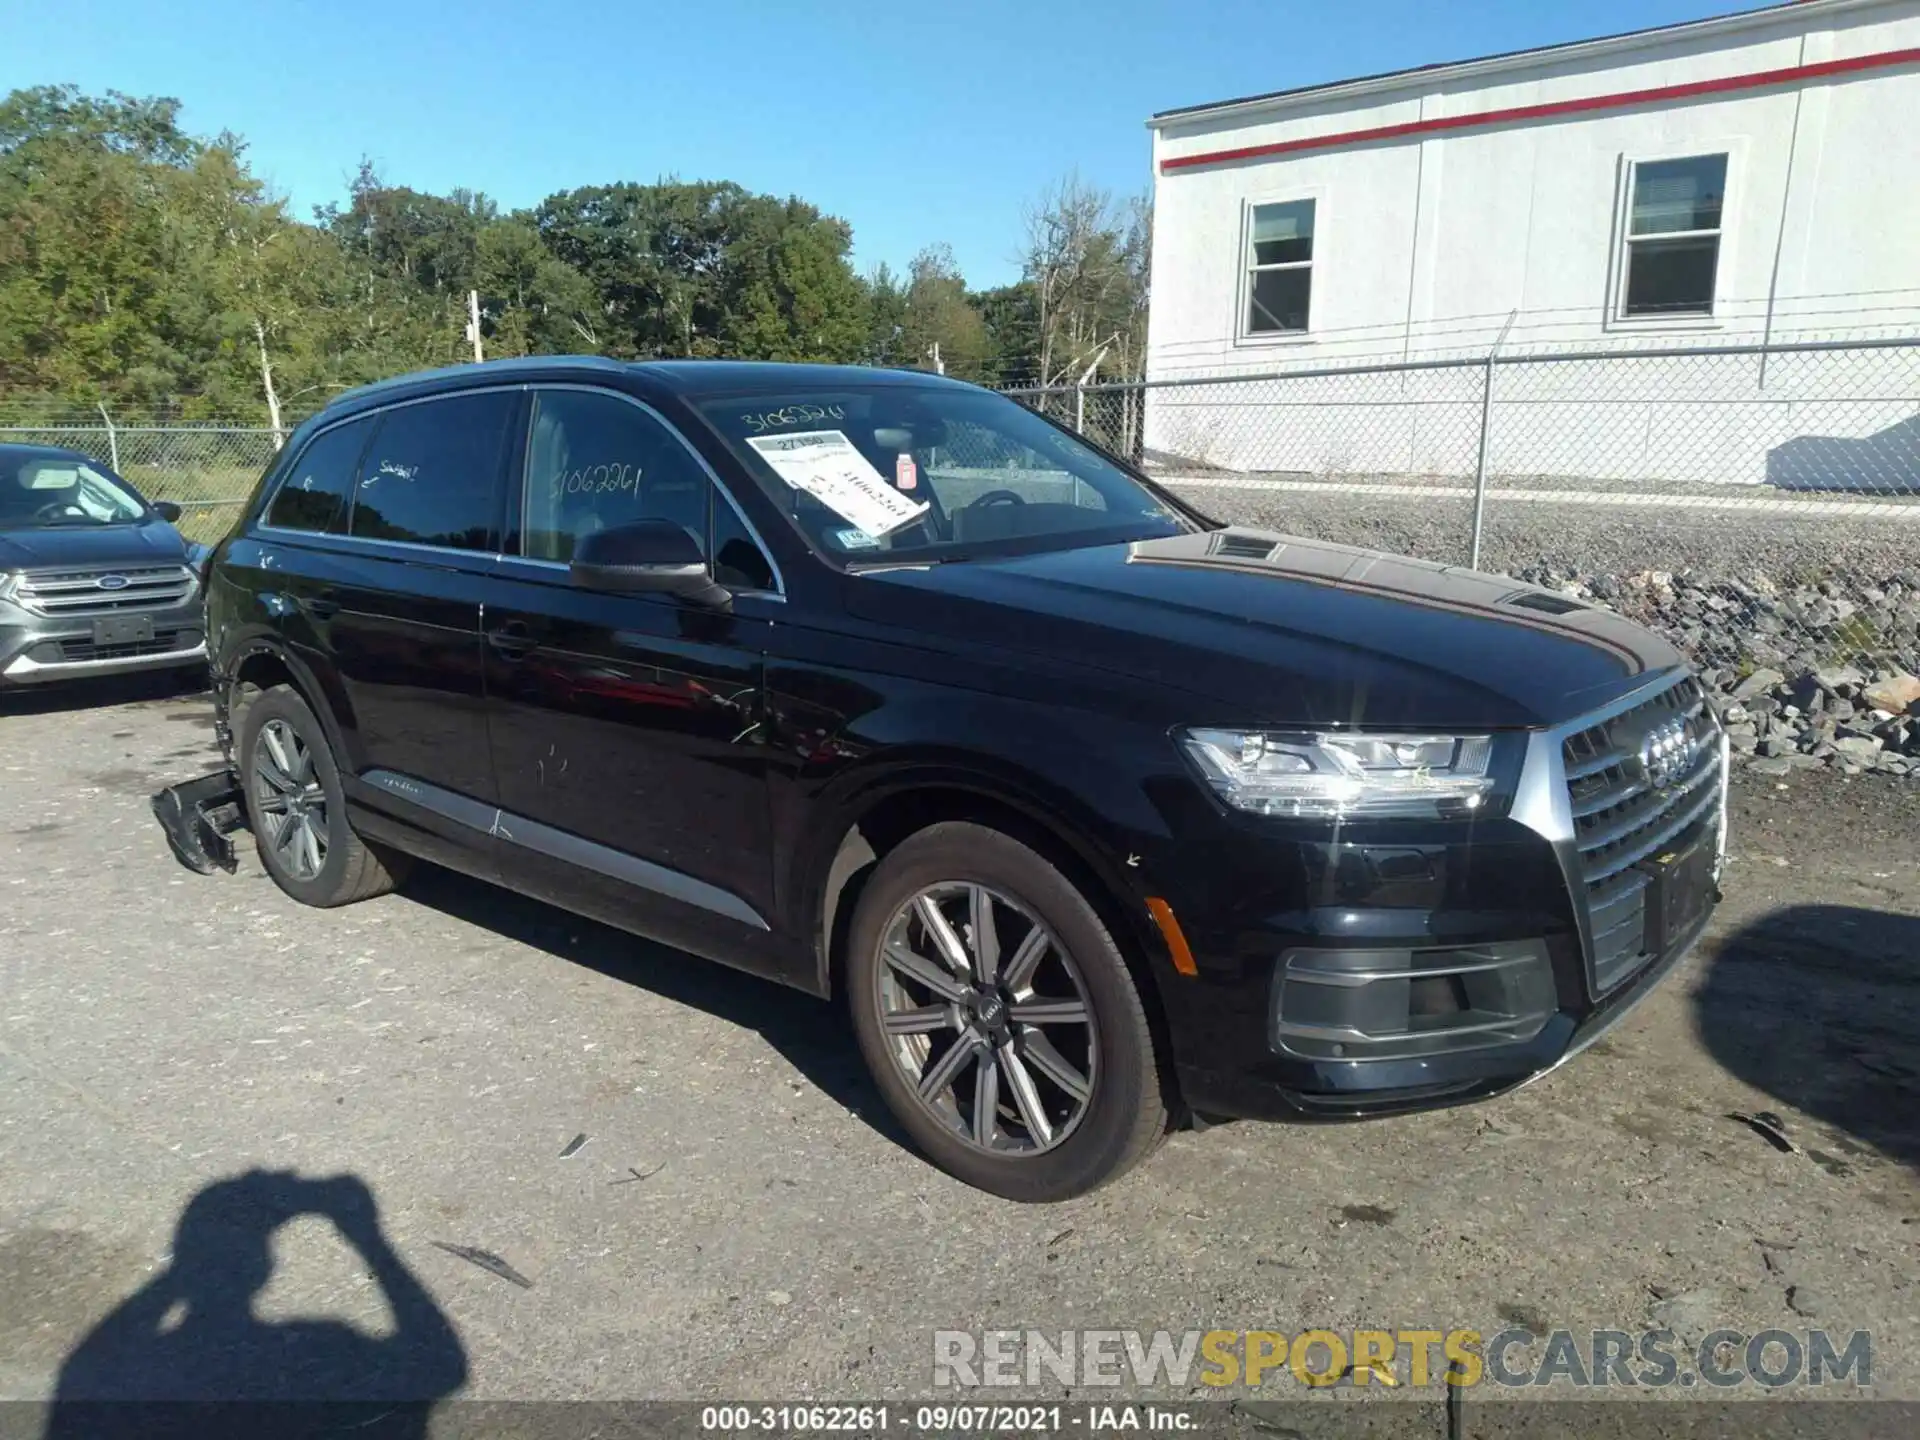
473	324
939	365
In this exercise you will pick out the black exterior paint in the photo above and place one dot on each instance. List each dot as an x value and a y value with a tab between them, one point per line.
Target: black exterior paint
739	747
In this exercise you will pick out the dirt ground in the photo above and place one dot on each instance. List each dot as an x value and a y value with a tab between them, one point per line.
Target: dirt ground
742	1220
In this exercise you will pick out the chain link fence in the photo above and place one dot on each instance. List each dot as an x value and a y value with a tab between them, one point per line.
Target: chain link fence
1759	505
207	470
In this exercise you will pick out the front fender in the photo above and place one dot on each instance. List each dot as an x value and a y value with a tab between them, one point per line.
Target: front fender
1083	781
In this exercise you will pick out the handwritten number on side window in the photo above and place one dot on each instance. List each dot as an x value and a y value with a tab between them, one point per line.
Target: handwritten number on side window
614	477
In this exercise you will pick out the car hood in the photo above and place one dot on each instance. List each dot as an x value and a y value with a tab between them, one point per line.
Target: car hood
1279	630
152	542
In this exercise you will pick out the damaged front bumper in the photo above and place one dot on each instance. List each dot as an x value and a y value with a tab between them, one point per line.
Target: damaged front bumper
198	816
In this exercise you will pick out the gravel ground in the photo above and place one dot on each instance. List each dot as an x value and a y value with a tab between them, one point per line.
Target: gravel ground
1787	543
163	1032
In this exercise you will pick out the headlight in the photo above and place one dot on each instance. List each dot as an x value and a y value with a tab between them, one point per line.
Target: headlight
1338	776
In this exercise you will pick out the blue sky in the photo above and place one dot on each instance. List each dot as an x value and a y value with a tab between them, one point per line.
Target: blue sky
917	122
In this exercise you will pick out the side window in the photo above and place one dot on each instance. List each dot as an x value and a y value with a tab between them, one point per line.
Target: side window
432	473
595	461
738	561
1673	236
318	490
1279	268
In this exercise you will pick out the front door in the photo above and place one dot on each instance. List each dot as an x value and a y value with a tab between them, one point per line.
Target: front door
627	748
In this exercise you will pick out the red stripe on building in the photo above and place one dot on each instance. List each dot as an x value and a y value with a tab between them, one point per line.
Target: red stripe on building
1692	90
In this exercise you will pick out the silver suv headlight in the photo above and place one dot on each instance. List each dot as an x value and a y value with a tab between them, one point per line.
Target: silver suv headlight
1339	775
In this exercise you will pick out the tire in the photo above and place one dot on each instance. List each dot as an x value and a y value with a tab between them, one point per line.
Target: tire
280	727
922	1028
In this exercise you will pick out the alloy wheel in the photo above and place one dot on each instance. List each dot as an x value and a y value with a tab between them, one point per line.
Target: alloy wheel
289	800
988	1018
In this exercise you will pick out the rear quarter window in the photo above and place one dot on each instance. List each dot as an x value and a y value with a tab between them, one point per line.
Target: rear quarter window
318	489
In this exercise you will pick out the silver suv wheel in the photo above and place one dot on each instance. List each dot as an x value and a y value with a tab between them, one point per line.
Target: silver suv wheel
289	802
988	1018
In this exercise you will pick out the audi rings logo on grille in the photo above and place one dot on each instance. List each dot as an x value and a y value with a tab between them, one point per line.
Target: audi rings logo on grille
113	582
1667	752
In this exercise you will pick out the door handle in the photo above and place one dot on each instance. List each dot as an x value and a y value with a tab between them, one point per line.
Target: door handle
322	606
512	640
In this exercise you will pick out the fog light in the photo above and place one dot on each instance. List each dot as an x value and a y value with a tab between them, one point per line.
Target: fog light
1405	1004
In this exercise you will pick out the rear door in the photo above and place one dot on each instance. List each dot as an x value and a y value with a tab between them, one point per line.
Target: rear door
402	606
291	562
626	739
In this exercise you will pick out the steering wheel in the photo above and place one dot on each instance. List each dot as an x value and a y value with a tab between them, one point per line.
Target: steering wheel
55	509
998	497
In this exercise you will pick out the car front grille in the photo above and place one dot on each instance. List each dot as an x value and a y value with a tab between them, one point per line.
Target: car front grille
73	651
1625	814
61	594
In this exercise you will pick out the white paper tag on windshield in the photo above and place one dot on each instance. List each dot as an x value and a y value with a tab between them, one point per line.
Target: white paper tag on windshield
826	466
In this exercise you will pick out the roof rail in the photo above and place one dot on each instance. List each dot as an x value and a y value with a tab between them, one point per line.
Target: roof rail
519	365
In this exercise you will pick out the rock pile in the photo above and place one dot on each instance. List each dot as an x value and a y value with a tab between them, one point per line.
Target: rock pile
1815	676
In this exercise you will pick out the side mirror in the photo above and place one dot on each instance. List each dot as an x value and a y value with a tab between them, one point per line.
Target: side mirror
647	557
167	511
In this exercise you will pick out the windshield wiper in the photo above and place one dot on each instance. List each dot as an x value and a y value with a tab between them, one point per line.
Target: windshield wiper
863	567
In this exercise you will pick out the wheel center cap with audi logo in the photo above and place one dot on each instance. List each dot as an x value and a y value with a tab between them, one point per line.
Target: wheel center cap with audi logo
1667	751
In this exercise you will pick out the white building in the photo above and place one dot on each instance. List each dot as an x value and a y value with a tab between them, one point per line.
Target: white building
1754	177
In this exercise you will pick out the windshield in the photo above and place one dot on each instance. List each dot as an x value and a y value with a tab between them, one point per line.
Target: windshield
892	473
44	491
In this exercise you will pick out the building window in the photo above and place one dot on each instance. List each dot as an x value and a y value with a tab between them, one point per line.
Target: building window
1279	267
1673	236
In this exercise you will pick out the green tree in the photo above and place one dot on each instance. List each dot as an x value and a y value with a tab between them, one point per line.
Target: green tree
431	241
790	292
886	316
85	302
143	265
940	329
1086	262
655	256
1011	316
531	303
233	292
708	269
145	130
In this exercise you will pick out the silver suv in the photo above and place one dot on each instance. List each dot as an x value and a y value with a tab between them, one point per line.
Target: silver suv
94	580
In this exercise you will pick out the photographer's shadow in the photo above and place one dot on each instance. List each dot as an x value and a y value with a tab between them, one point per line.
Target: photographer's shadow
188	1346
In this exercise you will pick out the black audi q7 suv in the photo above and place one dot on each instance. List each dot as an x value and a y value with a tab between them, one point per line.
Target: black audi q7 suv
1099	814
94	580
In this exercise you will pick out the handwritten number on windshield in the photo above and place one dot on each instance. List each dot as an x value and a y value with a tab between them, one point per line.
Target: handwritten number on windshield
792	415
